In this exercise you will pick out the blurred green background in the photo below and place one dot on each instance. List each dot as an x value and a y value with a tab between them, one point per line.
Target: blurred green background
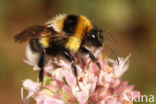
132	22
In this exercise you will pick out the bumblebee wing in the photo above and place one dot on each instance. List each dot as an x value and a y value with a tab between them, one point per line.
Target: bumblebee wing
58	37
51	33
29	33
39	31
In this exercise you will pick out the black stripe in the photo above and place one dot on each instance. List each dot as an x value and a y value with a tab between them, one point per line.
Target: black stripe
70	24
35	45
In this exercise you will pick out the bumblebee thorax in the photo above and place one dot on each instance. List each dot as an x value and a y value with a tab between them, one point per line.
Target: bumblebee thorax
73	44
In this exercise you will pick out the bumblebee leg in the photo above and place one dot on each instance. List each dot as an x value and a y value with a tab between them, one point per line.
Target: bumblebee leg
74	69
70	58
93	58
41	66
41	75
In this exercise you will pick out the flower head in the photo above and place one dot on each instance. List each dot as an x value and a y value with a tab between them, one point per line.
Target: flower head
92	86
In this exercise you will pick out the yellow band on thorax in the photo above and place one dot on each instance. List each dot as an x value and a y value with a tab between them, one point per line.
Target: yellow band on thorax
73	44
82	27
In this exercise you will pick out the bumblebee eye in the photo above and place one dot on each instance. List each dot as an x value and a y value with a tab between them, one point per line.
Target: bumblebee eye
93	36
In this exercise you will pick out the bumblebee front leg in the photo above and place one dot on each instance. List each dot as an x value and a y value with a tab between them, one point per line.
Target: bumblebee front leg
93	58
41	66
71	59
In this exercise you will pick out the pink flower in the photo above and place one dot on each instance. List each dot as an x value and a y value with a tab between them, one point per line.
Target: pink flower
122	67
91	86
110	100
87	84
31	64
105	77
32	88
43	99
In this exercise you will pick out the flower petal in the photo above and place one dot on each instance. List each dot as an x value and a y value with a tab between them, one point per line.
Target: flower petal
122	67
31	86
48	100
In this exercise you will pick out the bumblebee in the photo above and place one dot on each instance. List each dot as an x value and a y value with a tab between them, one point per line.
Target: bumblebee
61	36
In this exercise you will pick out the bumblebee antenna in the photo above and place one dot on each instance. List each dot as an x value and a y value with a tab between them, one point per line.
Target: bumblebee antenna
111	36
110	47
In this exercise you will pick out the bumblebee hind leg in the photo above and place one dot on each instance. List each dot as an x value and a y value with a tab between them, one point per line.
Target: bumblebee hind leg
41	66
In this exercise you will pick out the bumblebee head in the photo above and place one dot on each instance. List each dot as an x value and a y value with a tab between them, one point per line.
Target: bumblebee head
95	37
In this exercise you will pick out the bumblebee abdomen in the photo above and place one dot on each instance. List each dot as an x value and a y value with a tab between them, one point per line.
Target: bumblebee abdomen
55	48
35	45
32	54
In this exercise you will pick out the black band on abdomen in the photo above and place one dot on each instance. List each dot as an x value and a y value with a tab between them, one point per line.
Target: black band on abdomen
35	45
